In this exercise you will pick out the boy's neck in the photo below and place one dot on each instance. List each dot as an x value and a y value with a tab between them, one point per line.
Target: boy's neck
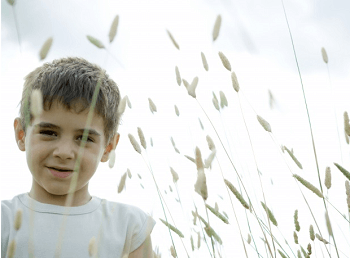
80	197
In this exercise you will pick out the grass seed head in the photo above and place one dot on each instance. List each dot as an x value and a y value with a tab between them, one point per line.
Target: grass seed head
45	48
172	251
178	77
201	184
281	254
111	160
173	40
210	159
217	213
204	61
270	214
134	143
295	237
211	233
174	174
347	189
296	222
225	61
190	158
291	154
308	185
151	140
129	173
200	123
309	249
122	183
328	178
128	101
92	247
18	219
236	193
122	105
199	241
199	161
249	240
152	106
211	144
235	83
95	41
186	84
346	137
142	138
223	100
11	2
343	170
177	111
328	223
346	123
172	228
324	55
264	123
113	29
321	239
11	249
312	233
192	245
217	26
216	104
37	102
192	88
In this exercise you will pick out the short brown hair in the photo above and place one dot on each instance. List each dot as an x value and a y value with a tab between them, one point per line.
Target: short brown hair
69	81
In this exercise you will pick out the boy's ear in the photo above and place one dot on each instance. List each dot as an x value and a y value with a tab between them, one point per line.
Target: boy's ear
19	134
111	146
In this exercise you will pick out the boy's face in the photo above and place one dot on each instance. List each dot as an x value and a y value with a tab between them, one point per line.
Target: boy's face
52	143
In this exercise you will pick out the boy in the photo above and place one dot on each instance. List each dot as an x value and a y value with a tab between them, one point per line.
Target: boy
53	140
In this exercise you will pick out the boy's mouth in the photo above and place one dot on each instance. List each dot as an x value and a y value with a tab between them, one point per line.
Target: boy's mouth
61	169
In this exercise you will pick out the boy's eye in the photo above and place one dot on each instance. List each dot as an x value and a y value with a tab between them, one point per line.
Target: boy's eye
48	133
88	139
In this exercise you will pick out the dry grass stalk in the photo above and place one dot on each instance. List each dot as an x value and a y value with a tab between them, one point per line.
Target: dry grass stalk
324	55
223	100
92	247
264	123
186	84
122	105
308	185
128	101
172	228
113	29
95	41
217	26
211	144
12	249
111	160
190	158
236	193
174	174
295	237
343	170
152	106
328	178
296	222
346	123
18	219
191	90
142	138
282	254
201	184
192	245
129	173
235	83
122	183
328	223
249	240
321	239
178	77
45	48
225	61
211	233
134	143
204	61
217	214
173	40
36	99
291	154
210	159
177	111
269	214
347	188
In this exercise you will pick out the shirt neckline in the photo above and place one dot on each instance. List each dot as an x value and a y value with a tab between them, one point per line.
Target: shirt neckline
34	205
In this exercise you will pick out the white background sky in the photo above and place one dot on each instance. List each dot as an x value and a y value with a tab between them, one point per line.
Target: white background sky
254	36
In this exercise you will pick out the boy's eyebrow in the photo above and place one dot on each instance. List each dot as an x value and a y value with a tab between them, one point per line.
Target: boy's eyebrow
52	126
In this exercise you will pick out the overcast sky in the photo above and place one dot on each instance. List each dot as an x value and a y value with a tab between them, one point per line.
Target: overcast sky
254	36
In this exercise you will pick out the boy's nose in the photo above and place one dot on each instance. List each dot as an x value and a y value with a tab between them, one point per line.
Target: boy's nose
65	149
